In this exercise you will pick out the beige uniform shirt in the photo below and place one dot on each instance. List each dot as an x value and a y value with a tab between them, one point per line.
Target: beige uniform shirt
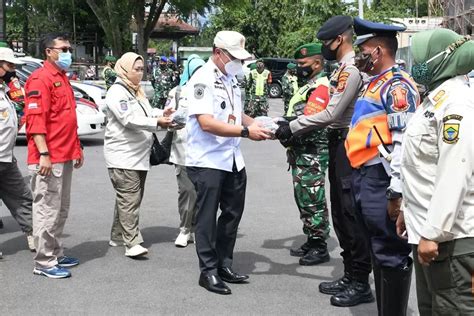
178	146
438	165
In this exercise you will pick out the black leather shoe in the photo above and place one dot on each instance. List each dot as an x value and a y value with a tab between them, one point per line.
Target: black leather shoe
335	287
230	276
301	251
213	283
355	294
315	256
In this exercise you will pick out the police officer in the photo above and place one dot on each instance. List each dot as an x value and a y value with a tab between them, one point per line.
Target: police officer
109	72
162	82
438	172
373	147
13	190
289	85
259	82
214	161
308	156
346	81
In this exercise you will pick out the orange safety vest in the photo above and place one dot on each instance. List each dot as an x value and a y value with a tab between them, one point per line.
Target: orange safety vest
370	113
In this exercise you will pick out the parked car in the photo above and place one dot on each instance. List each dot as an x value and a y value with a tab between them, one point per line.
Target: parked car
277	67
90	119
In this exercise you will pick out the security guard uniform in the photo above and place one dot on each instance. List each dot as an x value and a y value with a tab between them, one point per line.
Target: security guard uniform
345	84
308	159
259	90
373	147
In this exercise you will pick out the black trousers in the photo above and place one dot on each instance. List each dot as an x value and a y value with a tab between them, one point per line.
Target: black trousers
347	223
215	241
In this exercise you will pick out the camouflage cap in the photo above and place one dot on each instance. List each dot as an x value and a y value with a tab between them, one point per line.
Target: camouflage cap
308	50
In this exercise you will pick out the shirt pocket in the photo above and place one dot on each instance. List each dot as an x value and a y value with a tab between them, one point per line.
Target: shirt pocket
222	106
421	145
60	99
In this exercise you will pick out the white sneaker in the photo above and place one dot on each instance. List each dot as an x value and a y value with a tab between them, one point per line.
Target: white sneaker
135	251
116	243
182	239
31	242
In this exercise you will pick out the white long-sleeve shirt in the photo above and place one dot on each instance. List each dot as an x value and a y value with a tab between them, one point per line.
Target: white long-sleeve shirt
128	134
438	165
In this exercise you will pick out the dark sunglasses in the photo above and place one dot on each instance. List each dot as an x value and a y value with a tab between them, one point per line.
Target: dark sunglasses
63	49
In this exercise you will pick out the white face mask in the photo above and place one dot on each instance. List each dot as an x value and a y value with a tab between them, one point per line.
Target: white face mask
233	67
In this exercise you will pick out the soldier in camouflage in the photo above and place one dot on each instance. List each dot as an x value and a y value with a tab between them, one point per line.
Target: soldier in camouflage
247	87
259	82
109	72
308	156
289	85
162	82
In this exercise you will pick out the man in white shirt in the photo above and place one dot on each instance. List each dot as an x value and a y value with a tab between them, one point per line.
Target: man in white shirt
214	161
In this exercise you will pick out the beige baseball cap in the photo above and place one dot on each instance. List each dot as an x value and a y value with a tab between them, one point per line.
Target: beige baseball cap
6	54
233	42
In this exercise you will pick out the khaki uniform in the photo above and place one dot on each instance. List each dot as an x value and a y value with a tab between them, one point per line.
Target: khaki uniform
438	192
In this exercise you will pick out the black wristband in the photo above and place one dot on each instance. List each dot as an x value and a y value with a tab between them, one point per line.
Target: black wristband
44	153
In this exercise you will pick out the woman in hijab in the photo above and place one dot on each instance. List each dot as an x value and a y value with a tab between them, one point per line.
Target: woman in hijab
127	145
438	173
186	192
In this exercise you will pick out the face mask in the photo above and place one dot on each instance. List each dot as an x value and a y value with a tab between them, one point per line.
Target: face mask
234	67
7	77
64	60
421	72
135	77
304	72
364	62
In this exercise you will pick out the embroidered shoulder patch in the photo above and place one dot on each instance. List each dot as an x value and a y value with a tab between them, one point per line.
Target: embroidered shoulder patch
199	90
123	105
57	84
451	129
341	84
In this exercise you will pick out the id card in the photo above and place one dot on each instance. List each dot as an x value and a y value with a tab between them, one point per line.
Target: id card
231	119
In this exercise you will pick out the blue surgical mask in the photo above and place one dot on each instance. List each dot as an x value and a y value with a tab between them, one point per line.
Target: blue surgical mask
64	60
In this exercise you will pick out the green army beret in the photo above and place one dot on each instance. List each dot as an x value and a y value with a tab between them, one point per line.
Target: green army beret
253	66
291	66
110	58
307	50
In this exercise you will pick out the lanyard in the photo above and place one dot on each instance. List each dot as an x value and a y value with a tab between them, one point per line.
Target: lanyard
228	95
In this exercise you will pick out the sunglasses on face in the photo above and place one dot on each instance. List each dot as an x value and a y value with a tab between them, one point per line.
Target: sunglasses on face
63	49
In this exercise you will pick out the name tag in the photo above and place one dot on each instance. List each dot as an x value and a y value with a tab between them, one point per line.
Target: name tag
231	120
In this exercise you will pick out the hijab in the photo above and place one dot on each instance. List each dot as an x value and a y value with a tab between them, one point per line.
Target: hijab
123	68
194	62
457	59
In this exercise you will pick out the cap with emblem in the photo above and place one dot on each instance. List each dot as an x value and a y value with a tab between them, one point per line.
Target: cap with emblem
233	42
291	66
110	58
333	27
308	50
366	30
6	54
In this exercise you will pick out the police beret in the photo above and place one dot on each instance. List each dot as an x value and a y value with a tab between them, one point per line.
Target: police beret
367	29
110	58
307	50
172	59
291	66
163	58
334	26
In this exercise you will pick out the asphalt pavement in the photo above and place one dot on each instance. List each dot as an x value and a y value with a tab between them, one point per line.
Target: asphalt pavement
165	283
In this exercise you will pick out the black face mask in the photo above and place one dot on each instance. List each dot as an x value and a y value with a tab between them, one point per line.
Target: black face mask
329	54
304	72
364	62
8	76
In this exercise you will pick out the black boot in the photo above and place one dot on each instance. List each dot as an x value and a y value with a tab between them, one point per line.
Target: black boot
378	286
395	290
335	287
356	293
318	253
301	251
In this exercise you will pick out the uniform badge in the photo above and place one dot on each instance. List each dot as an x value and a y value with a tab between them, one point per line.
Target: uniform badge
399	97
439	95
4	115
123	105
32	106
304	51
57	84
199	91
341	83
223	105
451	130
377	86
16	84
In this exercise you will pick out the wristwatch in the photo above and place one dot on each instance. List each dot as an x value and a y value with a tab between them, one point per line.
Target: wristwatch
44	153
393	195
244	132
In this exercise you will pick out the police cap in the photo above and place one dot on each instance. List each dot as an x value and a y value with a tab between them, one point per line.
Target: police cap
334	26
308	50
366	30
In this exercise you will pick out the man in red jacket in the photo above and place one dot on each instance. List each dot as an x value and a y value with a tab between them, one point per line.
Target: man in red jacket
53	150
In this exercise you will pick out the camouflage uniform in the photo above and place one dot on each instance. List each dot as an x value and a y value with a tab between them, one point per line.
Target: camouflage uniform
289	85
308	157
109	76
162	81
258	93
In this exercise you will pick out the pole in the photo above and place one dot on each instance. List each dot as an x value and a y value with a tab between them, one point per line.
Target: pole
74	39
361	9
3	35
